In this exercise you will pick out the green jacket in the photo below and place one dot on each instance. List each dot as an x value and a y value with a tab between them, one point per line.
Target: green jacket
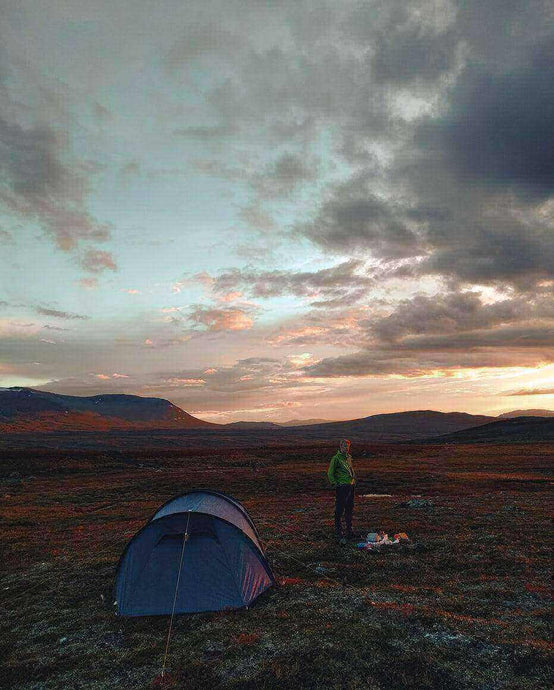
340	470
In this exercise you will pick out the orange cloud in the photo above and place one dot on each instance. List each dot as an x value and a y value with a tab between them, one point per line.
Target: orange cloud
223	319
230	297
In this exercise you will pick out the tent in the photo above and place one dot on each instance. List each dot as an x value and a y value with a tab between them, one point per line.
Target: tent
199	552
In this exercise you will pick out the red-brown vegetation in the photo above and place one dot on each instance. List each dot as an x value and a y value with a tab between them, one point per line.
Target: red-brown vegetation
464	605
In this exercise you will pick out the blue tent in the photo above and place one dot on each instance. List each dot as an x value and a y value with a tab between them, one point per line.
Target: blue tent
219	565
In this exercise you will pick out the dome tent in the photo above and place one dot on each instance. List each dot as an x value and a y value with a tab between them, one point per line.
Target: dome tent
220	564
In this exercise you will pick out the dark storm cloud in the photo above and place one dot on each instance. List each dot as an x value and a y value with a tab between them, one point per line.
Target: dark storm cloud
413	54
354	218
498	128
503	250
459	186
450	313
483	174
456	330
501	338
420	356
500	32
469	197
465	185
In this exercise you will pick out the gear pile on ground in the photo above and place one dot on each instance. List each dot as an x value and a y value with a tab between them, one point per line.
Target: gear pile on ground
374	541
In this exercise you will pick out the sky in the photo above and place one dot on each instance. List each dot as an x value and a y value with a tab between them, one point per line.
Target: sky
279	210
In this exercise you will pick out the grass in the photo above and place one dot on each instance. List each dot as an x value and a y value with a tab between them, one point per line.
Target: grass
465	605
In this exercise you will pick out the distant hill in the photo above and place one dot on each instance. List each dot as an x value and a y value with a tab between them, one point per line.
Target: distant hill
396	426
29	410
526	413
514	430
304	422
252	425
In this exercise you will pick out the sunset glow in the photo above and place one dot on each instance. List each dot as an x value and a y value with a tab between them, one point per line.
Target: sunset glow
263	211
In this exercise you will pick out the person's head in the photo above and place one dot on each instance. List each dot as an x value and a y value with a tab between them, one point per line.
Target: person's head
344	446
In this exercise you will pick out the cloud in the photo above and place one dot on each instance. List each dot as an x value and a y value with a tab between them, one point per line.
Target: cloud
222	319
339	329
285	175
532	391
202	38
39	185
89	283
230	296
428	333
45	311
29	161
406	143
345	283
178	382
435	358
354	218
409	52
447	313
204	133
249	374
256	217
96	260
497	127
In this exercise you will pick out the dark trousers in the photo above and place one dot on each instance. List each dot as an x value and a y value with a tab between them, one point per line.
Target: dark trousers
344	504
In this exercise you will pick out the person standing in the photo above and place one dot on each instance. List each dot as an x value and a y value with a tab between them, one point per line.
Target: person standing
341	475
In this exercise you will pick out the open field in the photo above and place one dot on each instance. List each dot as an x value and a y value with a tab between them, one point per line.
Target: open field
465	605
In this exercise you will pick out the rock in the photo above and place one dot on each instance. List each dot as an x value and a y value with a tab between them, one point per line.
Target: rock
416	503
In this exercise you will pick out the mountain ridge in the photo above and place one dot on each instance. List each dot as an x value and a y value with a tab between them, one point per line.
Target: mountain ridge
29	410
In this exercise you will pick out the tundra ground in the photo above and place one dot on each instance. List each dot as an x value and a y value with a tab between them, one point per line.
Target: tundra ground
465	605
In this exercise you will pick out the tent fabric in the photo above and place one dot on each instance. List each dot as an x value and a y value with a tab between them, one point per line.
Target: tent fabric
223	562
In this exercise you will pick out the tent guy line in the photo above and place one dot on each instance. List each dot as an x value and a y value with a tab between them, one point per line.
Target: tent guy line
185	539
